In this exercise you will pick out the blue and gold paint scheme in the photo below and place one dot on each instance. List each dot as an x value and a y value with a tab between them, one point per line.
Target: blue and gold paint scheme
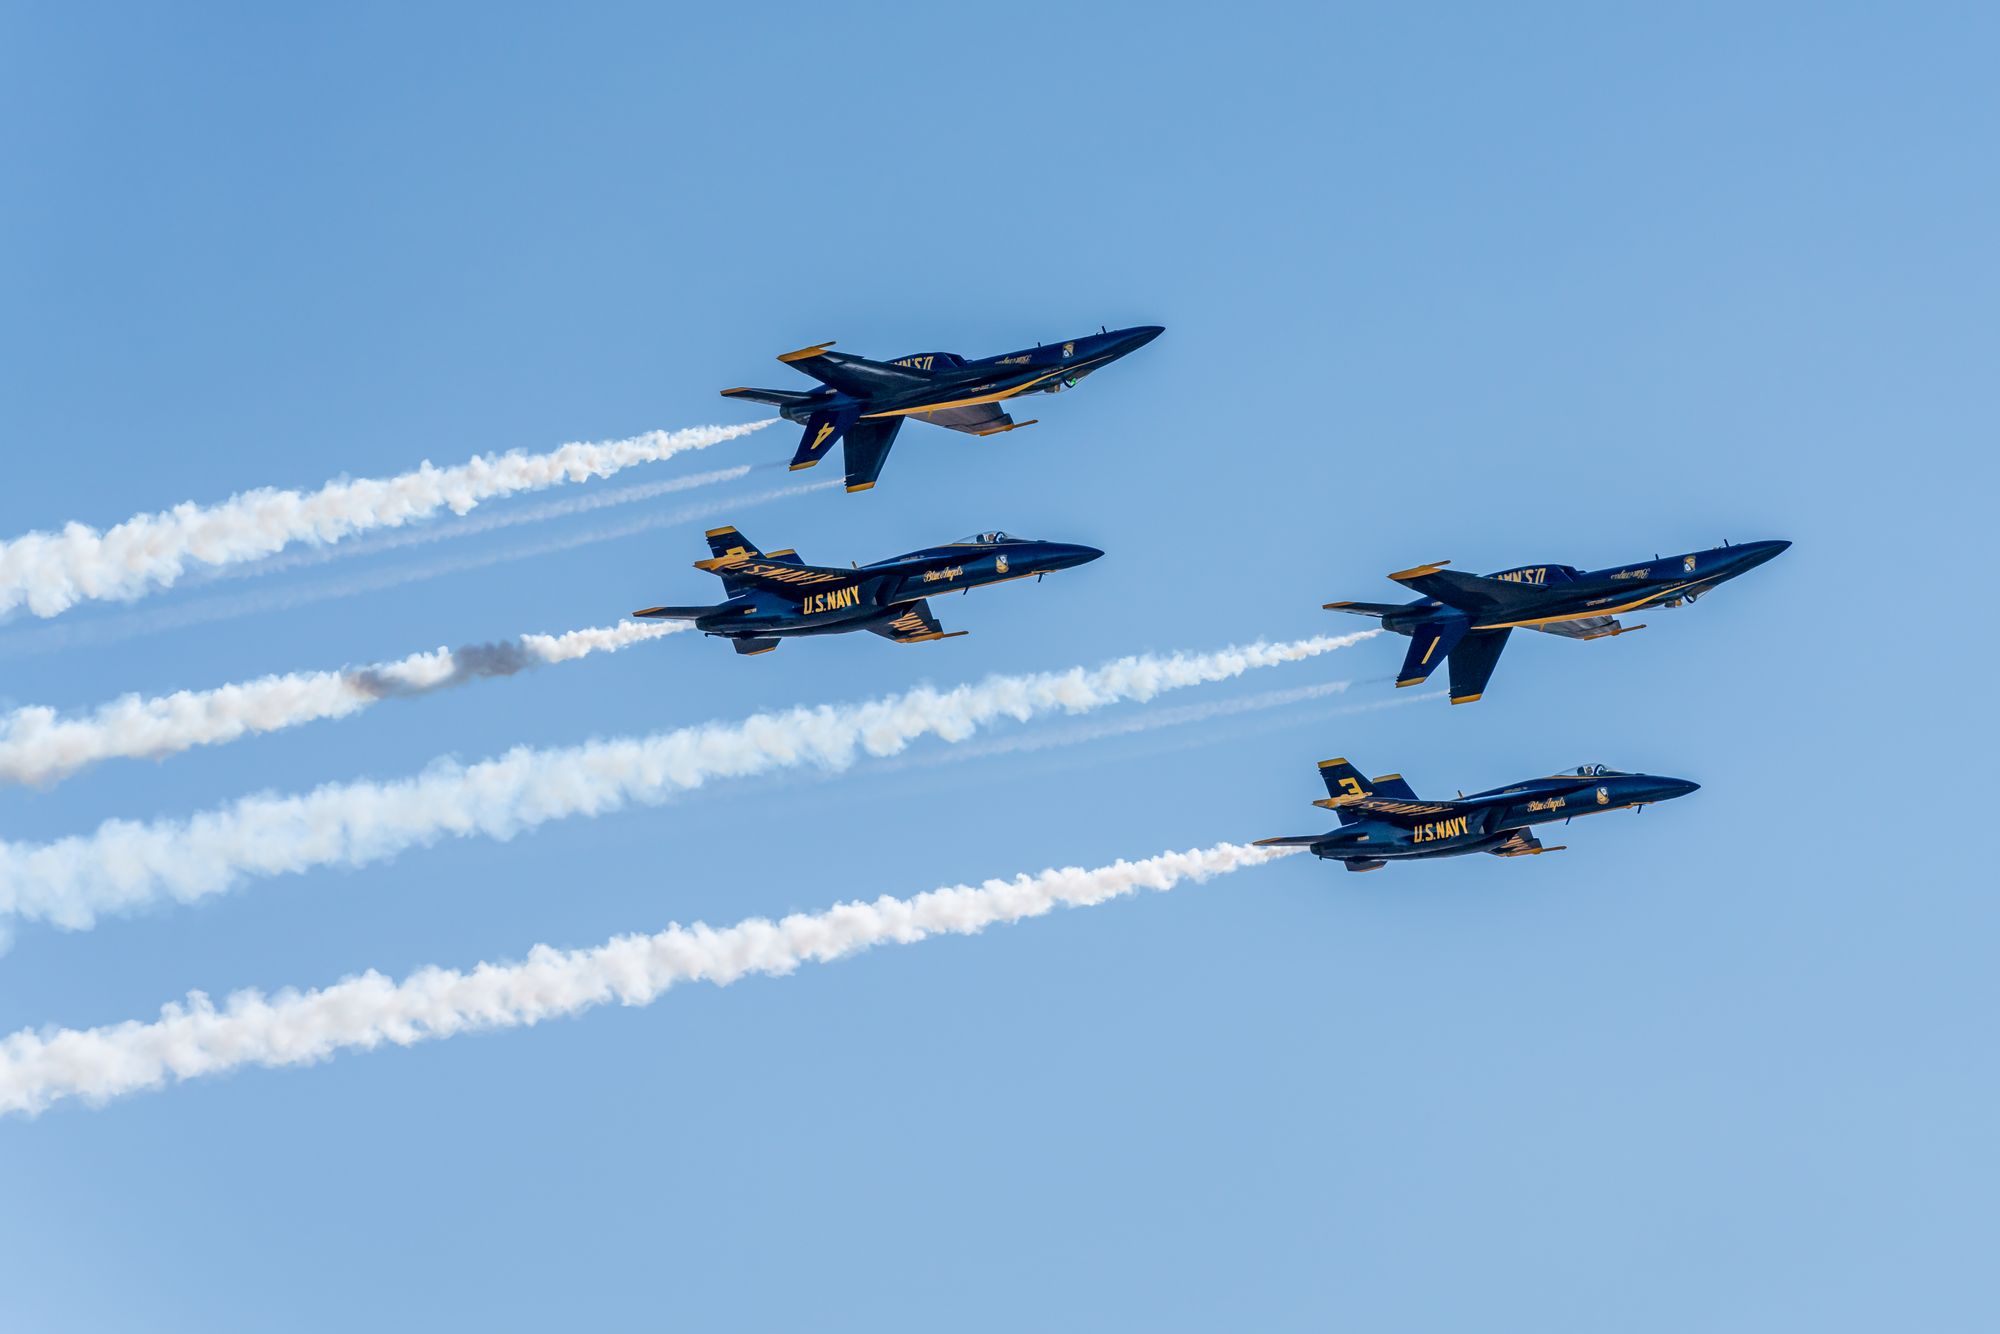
1464	619
864	403
773	595
1383	820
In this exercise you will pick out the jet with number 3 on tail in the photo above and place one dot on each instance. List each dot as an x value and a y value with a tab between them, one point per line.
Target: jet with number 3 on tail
1383	820
1464	619
773	595
864	403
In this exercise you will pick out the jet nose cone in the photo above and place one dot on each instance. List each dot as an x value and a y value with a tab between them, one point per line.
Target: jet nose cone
1756	553
1067	556
1677	787
1137	338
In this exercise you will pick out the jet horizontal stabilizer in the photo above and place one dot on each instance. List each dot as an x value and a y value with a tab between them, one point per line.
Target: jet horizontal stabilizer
677	613
777	398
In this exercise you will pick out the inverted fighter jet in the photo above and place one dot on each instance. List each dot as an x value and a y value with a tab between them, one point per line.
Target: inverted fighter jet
865	402
774	595
1382	820
1465	618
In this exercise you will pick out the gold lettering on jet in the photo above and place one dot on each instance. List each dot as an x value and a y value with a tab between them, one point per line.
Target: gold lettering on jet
1549	804
1433	830
840	599
1535	575
784	574
945	575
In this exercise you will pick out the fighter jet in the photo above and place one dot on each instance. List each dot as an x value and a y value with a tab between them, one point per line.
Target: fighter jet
1466	618
865	402
774	595
1383	820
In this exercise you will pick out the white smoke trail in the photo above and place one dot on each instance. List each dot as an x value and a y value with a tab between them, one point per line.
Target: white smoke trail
51	572
195	1038
46	638
38	746
126	864
485	523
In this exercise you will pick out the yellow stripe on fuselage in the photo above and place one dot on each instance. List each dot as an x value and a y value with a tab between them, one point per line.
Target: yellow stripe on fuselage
967	402
1633	605
1073	368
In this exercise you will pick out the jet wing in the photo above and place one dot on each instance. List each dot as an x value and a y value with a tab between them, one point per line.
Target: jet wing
1589	627
1395	809
979	419
783	575
915	626
855	375
1475	593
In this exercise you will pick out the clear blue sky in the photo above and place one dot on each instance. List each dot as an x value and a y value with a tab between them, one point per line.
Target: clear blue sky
1556	284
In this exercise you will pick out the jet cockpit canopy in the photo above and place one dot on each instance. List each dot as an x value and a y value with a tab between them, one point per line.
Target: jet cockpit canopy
993	538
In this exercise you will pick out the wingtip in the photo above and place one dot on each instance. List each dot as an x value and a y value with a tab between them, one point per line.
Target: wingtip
1002	430
862	486
1466	699
1419	571
805	352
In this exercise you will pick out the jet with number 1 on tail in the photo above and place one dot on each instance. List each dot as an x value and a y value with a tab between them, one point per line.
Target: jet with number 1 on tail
773	595
864	403
1464	619
1383	820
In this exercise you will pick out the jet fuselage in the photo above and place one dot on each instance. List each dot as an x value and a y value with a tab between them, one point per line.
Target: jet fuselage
1488	820
1573	594
878	592
955	381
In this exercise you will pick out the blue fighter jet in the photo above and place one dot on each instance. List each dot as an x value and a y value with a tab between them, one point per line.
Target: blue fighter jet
774	595
865	402
1466	618
1383	820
